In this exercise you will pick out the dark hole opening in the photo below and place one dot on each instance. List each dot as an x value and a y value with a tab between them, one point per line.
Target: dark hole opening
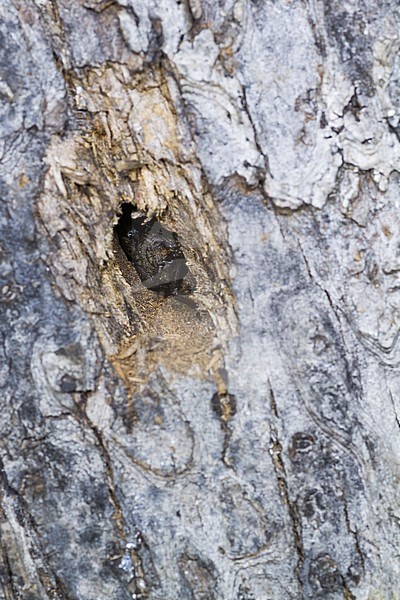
154	251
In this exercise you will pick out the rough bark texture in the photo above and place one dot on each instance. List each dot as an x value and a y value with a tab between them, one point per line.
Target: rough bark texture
243	445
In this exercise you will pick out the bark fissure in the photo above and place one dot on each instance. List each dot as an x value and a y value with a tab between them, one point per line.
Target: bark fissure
275	449
43	580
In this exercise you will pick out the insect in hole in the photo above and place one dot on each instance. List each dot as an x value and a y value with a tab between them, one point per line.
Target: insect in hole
155	253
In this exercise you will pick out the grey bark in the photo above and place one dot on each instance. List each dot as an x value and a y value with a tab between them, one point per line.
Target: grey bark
246	445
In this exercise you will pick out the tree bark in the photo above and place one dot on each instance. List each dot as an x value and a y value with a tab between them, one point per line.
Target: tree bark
240	441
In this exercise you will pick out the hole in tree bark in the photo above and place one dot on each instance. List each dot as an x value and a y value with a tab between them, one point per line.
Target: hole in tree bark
155	252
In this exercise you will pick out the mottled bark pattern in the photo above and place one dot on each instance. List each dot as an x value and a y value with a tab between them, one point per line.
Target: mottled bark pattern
244	444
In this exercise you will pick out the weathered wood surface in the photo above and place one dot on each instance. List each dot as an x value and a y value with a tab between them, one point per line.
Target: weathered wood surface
246	447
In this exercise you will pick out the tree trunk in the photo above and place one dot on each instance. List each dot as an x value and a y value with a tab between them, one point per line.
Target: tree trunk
236	438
